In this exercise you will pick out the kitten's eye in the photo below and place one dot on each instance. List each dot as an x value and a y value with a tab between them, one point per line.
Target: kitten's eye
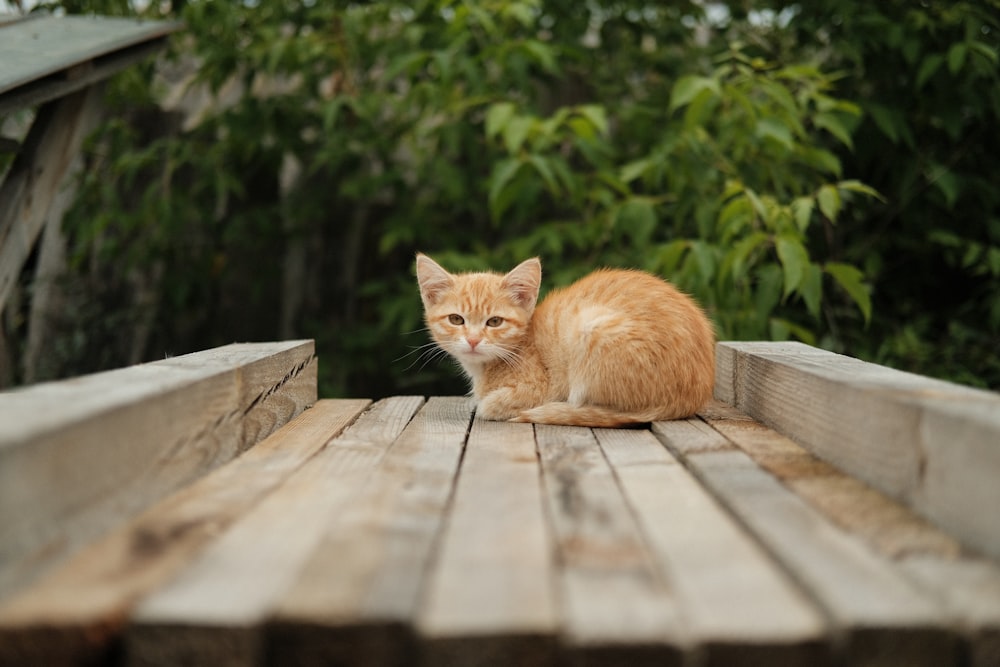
494	321
456	320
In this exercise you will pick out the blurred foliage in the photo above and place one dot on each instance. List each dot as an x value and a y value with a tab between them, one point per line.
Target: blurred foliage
816	171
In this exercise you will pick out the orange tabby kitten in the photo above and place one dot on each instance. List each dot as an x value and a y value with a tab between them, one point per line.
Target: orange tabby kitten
615	348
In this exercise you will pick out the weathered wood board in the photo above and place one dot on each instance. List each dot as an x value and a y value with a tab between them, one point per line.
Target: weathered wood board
880	616
73	613
36	50
738	603
490	595
933	445
964	587
213	612
616	603
38	173
354	600
113	443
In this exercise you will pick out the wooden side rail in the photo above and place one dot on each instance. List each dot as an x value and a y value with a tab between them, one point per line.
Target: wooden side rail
79	456
933	445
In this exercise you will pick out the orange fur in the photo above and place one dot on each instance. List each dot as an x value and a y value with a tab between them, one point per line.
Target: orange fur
617	347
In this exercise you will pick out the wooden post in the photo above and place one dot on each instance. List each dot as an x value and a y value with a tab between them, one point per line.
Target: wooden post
34	180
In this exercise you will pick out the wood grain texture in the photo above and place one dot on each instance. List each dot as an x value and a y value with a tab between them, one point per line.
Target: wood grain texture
490	593
879	615
34	179
615	602
45	45
212	613
969	590
930	444
740	606
113	443
966	588
73	615
354	600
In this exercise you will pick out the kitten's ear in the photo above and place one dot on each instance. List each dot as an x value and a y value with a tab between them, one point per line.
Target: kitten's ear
433	280
523	282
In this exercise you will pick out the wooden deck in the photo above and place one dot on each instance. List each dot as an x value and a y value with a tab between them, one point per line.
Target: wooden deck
406	531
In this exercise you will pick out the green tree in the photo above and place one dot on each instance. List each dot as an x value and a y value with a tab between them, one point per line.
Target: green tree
732	153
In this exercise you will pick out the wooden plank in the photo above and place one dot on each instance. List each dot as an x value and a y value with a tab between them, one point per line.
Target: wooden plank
47	286
616	604
886	525
928	443
271	389
966	588
45	45
740	606
490	593
34	179
61	84
353	602
73	615
882	617
969	590
212	613
113	443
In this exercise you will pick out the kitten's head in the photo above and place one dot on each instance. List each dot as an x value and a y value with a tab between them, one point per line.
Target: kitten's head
478	317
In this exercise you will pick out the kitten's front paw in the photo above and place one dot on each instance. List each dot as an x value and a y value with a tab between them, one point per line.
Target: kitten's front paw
498	406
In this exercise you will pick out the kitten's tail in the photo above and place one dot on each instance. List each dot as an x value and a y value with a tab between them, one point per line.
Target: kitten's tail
594	416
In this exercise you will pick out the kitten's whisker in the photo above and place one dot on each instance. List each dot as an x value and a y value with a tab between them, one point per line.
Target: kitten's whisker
426	353
410	333
415	349
435	355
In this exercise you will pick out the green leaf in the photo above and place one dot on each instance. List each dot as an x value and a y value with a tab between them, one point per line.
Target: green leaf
822	160
811	288
928	68
802	209
835	126
794	259
516	131
757	204
634	170
858	186
885	120
687	87
597	116
948	183
736	260
734	216
768	290
782	329
670	255
779	329
521	12
543	55
541	165
851	280
986	51
772	128
956	57
637	218
781	95
700	109
704	258
503	173
497	117
829	202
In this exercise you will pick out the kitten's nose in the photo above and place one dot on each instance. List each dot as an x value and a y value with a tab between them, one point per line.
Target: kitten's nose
473	342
